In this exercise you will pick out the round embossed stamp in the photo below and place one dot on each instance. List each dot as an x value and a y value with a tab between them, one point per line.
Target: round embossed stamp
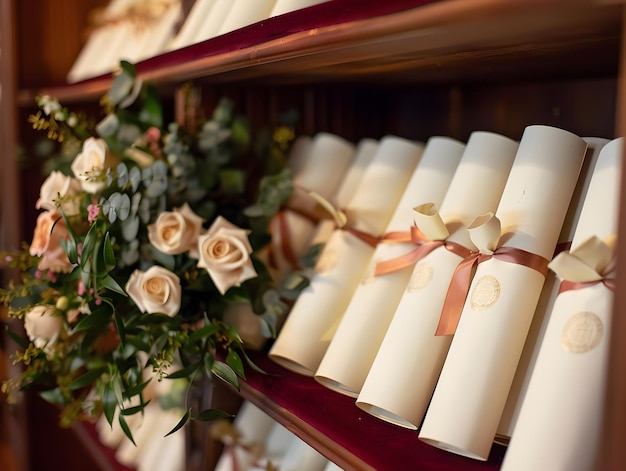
421	277
582	332
485	293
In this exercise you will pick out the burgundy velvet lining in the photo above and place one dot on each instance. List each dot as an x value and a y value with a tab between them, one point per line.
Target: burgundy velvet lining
328	13
384	446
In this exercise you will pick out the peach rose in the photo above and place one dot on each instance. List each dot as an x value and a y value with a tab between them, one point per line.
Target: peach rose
49	232
225	254
43	326
176	232
155	290
89	165
58	187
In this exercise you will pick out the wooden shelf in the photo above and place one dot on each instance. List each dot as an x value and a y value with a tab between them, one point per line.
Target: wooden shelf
337	428
438	41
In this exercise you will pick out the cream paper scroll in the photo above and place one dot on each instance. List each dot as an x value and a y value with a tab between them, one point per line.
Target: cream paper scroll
404	372
478	371
314	317
559	423
187	35
213	20
548	296
244	13
286	6
352	350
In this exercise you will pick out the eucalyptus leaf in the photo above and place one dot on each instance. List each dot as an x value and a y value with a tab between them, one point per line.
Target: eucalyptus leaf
108	126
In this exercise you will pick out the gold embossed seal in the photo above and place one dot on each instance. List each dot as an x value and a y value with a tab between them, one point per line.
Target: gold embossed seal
421	277
485	293
582	332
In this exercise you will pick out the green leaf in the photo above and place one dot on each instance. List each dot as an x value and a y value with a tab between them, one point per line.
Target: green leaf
212	414
202	333
119	326
108	254
135	390
234	361
181	423
233	181
54	396
109	403
86	379
185	372
100	317
122	83
253	365
109	283
134	410
126	430
225	372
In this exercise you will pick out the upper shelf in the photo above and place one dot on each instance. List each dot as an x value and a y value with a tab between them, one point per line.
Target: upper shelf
438	40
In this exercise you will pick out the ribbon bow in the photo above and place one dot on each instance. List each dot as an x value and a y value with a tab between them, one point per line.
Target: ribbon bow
485	233
428	232
589	264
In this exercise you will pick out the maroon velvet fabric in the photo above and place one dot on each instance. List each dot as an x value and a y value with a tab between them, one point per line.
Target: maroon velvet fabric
323	14
386	447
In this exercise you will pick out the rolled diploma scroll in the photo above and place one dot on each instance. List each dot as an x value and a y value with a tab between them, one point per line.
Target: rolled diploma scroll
405	370
214	20
559	422
188	32
245	12
300	456
101	52
469	399
352	350
333	168
286	6
255	426
547	297
316	313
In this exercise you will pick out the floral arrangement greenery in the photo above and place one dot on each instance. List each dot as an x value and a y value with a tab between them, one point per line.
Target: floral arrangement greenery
138	251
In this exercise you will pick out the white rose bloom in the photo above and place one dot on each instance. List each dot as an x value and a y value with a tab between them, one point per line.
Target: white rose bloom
43	326
224	251
157	290
56	186
88	166
176	232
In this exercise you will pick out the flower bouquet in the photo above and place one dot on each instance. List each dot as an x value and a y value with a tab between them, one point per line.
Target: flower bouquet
139	249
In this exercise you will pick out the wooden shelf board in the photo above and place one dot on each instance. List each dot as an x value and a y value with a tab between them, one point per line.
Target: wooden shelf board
433	41
337	428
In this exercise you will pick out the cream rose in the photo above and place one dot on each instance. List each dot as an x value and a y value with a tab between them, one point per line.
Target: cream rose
88	166
224	251
58	186
176	232
155	290
43	326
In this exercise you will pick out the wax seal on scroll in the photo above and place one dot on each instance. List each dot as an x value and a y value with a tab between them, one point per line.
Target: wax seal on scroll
421	277
582	332
485	293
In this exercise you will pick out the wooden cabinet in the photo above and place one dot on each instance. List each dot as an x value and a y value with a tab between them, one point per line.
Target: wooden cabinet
414	69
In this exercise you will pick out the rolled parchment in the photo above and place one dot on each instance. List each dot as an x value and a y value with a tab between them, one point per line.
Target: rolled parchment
100	54
399	391
189	31
286	6
559	423
316	313
468	401
351	352
294	226
214	19
244	13
548	296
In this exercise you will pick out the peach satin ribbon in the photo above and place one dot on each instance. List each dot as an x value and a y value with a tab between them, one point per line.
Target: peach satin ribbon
573	285
461	280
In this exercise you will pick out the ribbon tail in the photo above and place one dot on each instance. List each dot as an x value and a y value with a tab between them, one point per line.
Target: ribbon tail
285	241
406	260
455	297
